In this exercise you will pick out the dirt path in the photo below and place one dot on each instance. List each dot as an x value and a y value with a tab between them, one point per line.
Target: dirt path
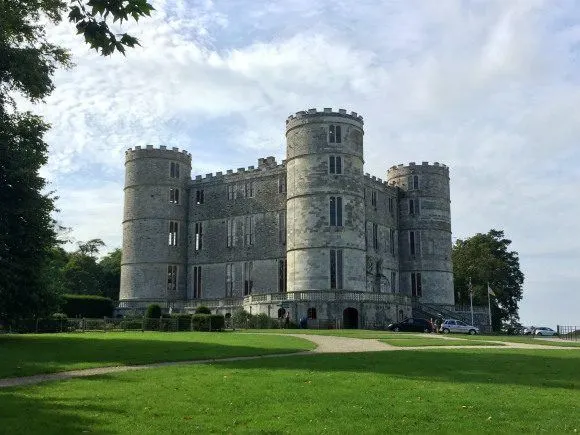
324	343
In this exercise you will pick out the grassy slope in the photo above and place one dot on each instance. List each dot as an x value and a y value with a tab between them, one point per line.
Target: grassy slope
459	391
24	355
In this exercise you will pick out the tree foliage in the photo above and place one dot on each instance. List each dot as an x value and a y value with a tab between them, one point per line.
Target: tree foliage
28	61
485	259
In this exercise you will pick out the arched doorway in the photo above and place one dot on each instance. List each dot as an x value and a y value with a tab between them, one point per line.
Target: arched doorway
350	318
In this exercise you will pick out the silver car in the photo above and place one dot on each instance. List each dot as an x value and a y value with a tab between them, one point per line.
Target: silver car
451	325
542	330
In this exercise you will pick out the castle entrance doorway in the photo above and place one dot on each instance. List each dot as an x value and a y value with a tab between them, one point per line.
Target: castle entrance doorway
350	318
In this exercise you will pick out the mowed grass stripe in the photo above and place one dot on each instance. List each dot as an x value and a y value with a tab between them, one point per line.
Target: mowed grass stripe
459	391
411	342
24	355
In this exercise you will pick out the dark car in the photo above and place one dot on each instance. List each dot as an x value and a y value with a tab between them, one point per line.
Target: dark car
412	325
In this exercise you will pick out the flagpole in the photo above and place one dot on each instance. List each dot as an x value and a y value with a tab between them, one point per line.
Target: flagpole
471	298
489	307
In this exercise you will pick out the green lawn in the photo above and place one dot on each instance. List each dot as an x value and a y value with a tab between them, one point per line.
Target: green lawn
410	342
526	339
23	355
435	391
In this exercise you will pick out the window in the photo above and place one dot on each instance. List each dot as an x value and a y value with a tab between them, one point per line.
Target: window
229	279
336	268
198	236
173	233
231	227
196	282
414	243
174	196
174	170
414	206
282	184
393	282
199	197
311	313
282	227
171	280
248	266
415	182
374	198
391	206
249	223
336	211
282	276
416	289
375	237
249	189
231	191
334	134
392	241
335	165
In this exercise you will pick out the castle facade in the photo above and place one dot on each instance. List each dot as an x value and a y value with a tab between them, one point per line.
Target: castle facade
313	236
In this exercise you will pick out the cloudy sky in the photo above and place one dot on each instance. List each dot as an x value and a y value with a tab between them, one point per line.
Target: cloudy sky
490	88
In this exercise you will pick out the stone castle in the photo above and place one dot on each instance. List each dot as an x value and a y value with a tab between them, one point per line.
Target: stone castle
312	236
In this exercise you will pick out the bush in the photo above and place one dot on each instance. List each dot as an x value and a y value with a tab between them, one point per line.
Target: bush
183	321
87	306
131	324
202	310
153	311
203	322
263	321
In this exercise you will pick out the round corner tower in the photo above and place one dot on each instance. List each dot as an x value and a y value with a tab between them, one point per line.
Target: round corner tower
325	204
153	265
426	270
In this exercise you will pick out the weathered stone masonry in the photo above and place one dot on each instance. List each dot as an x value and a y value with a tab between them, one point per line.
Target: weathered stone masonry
314	235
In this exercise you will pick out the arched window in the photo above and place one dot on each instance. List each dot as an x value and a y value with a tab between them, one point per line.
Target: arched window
311	313
281	312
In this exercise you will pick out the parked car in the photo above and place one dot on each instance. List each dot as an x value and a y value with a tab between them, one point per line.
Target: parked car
451	325
412	325
542	330
527	330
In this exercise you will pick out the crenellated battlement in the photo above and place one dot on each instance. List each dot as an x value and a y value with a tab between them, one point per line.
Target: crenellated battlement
160	152
412	166
265	164
305	115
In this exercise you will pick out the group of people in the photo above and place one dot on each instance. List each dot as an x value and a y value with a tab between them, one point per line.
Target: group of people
435	324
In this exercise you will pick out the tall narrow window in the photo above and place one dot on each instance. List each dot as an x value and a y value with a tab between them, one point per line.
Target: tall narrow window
230	233
174	170
335	211
335	165
282	184
196	282
249	224
174	196
336	268
374	198
415	243
282	276
412	242
171	280
416	284
311	313
231	191
198	236
391	206
229	279
282	227
415	182
248	283
199	196
414	206
392	241
334	134
375	237
393	282
249	189
173	228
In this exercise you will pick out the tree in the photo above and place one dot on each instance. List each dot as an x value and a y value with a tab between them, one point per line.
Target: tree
484	259
111	274
82	274
27	63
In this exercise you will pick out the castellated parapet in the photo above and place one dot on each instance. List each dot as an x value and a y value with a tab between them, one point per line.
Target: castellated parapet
312	235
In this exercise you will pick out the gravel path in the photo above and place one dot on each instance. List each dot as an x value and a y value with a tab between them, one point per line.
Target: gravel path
325	344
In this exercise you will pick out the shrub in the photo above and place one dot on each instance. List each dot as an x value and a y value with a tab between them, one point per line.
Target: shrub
183	321
241	319
203	322
202	310
153	311
87	306
218	322
131	324
263	321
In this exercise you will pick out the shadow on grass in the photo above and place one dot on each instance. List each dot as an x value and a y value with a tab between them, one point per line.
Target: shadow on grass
24	355
536	368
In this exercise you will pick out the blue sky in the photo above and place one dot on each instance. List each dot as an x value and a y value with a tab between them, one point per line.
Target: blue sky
488	87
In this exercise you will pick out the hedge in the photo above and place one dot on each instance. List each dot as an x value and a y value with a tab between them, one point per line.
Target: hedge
89	306
207	322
